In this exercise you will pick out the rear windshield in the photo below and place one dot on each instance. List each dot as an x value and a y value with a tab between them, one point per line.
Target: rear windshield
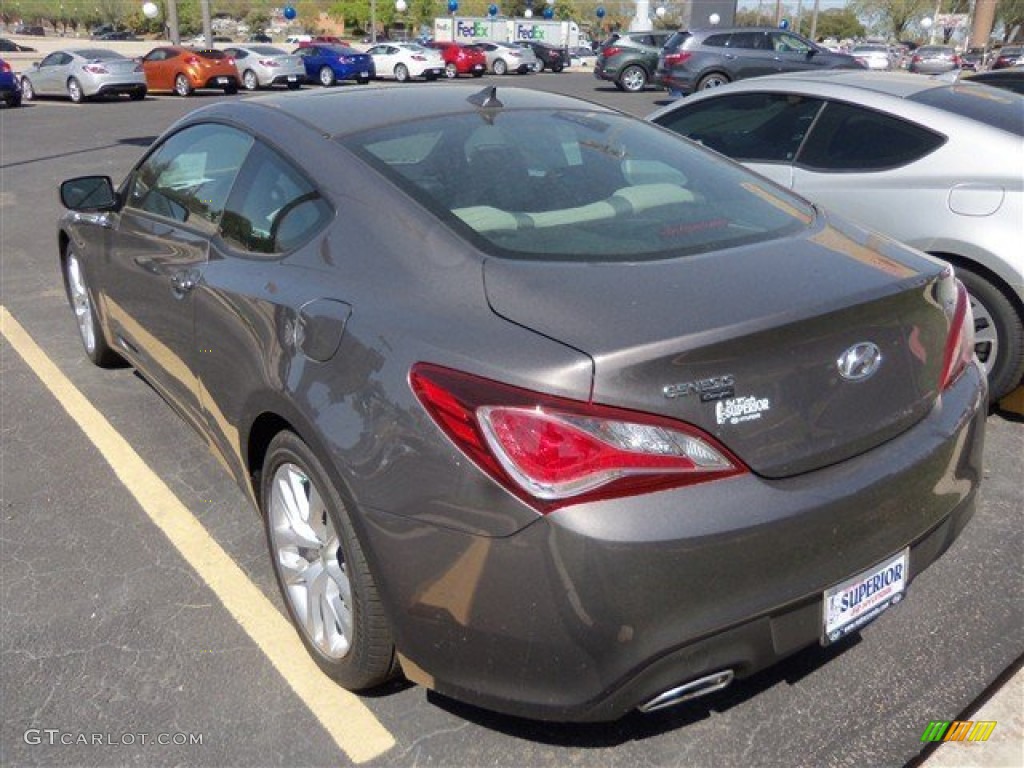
555	185
210	53
267	50
993	106
95	54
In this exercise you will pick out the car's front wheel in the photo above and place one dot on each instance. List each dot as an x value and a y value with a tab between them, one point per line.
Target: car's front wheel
27	91
321	569
401	73
998	334
632	79
182	86
80	297
327	77
451	71
75	91
500	67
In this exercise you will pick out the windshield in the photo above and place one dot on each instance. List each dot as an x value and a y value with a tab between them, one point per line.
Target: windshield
578	185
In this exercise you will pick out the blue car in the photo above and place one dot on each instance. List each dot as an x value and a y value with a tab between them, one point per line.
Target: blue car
329	63
10	88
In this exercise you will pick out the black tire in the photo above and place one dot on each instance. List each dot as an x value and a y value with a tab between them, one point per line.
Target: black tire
401	73
75	91
230	90
28	93
368	659
538	67
478	74
249	80
999	334
182	86
137	95
451	71
430	77
327	77
556	68
712	80
632	79
362	80
14	100
499	67
80	297
294	86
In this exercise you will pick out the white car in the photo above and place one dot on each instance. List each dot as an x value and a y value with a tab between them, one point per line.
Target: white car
404	61
503	58
874	57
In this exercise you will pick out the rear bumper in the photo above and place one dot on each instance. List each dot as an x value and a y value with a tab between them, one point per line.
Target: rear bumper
675	81
109	89
595	609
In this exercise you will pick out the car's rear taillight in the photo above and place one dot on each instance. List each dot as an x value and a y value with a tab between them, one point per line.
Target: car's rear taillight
960	342
230	61
192	61
916	58
675	59
610	51
551	451
4	66
95	69
418	57
270	63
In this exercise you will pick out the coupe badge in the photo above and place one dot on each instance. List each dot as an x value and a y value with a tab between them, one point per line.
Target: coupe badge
860	361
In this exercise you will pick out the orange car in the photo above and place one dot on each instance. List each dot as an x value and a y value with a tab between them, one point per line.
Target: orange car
183	70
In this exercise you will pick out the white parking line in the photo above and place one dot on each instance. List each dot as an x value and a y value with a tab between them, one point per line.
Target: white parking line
343	715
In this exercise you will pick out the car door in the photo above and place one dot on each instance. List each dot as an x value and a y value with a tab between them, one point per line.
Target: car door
794	54
158	72
254	313
159	243
50	78
749	53
762	130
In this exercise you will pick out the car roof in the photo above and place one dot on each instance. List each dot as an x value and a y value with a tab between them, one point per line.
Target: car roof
900	85
346	111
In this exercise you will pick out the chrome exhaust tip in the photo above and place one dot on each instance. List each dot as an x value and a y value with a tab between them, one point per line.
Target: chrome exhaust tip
692	690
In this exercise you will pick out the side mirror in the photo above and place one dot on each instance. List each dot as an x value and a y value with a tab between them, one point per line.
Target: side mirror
89	193
811	52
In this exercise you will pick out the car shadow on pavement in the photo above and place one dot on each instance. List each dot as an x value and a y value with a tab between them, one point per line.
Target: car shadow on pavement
636	726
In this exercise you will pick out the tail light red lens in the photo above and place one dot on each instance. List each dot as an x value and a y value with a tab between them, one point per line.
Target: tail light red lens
417	57
4	66
610	51
192	61
552	451
270	63
230	61
960	342
96	69
675	59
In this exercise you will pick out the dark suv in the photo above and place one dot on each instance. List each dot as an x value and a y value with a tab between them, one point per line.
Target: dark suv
548	56
629	59
696	59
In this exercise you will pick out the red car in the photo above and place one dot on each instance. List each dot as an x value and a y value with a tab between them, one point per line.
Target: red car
183	70
460	60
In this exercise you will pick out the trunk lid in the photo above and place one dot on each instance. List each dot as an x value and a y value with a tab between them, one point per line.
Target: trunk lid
747	343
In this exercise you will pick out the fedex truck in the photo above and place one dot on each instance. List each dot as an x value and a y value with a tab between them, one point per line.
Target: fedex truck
473	29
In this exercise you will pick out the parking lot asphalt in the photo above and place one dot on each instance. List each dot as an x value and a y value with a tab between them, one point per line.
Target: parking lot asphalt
111	634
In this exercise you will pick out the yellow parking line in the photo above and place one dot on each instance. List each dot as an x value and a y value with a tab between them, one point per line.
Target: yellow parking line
352	726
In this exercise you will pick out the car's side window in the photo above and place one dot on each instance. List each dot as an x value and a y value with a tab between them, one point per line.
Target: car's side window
189	176
852	138
50	61
273	208
759	127
785	43
718	41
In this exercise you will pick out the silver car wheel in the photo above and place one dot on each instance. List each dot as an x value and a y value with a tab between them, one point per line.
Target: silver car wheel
75	91
633	79
250	81
27	91
308	557
986	338
81	303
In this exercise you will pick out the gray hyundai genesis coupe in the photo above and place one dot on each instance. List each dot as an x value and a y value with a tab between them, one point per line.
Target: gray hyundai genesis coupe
542	406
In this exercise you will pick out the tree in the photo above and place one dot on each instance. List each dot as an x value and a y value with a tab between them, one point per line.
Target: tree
1011	14
892	18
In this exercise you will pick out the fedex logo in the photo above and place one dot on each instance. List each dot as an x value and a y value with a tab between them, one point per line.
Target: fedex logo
470	29
529	32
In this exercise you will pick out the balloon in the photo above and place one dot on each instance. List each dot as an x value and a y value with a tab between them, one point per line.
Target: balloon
492	10
600	12
401	6
528	13
714	18
150	10
660	12
784	24
453	6
549	12
289	12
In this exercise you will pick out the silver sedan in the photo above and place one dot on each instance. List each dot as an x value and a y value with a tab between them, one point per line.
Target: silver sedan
503	58
84	73
260	66
933	163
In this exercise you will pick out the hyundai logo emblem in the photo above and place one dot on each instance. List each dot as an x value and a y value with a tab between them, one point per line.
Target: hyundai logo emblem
860	361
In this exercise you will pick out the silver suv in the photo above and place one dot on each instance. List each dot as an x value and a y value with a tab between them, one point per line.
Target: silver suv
696	59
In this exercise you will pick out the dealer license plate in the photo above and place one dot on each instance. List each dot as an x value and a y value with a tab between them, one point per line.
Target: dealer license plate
364	74
857	601
222	81
292	78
